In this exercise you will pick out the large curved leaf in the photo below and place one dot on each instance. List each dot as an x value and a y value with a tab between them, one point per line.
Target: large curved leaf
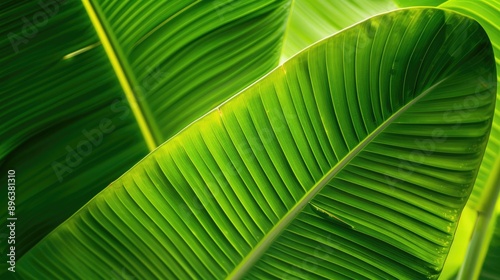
89	88
486	189
487	13
487	186
312	20
345	162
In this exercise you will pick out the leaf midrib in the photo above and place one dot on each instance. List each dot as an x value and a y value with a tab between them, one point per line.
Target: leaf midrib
247	262
123	76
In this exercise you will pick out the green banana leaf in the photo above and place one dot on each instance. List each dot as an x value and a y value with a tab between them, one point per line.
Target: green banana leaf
89	88
486	190
311	20
487	13
354	159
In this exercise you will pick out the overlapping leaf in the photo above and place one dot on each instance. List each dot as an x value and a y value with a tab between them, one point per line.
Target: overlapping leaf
413	3
490	269
345	162
88	88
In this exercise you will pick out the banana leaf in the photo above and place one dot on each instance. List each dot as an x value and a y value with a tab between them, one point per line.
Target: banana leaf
354	159
486	190
490	269
312	20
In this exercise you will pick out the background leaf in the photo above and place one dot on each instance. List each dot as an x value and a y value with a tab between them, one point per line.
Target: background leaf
77	111
313	20
490	269
413	3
